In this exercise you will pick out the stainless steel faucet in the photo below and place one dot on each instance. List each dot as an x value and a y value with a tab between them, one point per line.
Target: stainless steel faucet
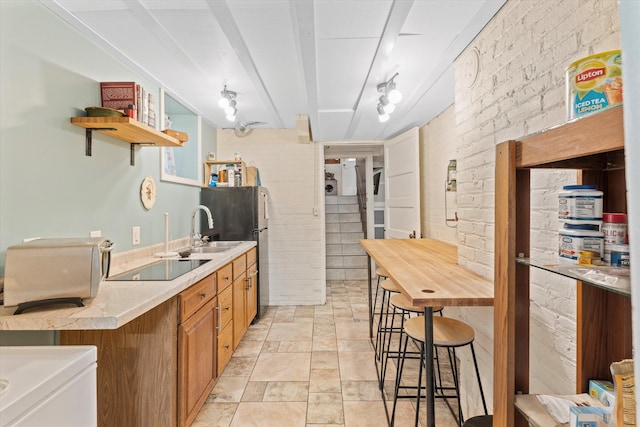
195	237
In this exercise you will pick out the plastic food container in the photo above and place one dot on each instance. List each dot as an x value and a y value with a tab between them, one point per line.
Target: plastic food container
594	83
620	256
614	228
574	238
580	203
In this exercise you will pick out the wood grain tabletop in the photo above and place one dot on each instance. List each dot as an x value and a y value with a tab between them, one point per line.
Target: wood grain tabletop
428	273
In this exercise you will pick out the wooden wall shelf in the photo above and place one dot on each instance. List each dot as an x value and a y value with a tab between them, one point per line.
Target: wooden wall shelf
594	146
125	129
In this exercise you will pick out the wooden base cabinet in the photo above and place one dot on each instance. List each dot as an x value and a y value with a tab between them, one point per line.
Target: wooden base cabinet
251	290
225	325
245	293
594	146
158	369
137	368
197	344
239	308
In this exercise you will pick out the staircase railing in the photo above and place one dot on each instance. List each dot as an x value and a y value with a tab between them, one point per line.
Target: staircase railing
361	192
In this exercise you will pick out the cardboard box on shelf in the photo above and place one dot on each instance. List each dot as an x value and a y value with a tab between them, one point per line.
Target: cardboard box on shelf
603	391
590	416
251	177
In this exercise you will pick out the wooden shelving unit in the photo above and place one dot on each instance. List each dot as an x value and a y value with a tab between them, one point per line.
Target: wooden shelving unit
593	145
125	129
209	166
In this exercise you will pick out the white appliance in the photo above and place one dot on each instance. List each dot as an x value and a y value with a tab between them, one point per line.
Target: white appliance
52	386
331	187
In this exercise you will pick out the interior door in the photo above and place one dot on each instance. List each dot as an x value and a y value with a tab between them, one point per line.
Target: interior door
402	186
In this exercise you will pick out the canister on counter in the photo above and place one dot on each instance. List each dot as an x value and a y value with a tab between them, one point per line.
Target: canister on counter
614	227
222	175
580	203
620	256
574	238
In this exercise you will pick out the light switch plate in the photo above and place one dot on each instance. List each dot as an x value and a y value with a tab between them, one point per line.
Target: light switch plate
95	233
135	235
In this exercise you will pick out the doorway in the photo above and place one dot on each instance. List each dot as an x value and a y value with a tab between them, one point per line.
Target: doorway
349	208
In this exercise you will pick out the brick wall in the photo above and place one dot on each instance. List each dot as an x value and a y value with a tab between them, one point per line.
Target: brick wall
289	170
520	89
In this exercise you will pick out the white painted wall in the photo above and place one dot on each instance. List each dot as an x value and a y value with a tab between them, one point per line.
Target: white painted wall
437	147
291	173
520	89
48	188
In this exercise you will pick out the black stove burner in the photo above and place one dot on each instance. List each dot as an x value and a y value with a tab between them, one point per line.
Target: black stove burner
167	269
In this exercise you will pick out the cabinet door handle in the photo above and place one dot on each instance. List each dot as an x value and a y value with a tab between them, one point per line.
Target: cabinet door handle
227	346
226	278
203	295
219	308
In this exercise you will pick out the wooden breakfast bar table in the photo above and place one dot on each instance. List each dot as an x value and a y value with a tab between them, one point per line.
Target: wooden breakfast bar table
427	272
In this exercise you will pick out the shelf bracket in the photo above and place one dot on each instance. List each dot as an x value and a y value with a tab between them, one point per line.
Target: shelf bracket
132	151
88	137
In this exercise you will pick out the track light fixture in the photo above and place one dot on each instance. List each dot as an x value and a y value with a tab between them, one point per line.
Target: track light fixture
383	116
228	103
389	98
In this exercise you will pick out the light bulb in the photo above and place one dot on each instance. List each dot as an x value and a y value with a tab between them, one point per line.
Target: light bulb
389	108
230	109
224	102
393	94
383	116
231	116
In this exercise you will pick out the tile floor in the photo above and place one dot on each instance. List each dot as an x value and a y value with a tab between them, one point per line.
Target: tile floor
309	366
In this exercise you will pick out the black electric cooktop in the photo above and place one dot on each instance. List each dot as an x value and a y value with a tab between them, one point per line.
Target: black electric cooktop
167	269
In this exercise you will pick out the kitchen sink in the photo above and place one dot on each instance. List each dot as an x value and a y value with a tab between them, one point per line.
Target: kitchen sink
216	247
219	244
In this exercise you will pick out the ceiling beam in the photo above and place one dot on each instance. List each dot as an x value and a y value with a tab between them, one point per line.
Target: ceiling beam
395	20
223	15
304	34
445	64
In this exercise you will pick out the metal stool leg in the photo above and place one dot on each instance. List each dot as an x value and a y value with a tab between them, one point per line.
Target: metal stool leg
380	327
475	364
399	370
422	360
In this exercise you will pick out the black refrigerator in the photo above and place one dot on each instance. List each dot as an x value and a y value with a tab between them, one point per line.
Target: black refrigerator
241	213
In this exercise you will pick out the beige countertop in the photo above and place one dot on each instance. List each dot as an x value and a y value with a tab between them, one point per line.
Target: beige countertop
117	302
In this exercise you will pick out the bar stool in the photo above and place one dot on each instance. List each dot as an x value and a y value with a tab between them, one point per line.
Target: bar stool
479	421
388	287
450	334
381	275
401	306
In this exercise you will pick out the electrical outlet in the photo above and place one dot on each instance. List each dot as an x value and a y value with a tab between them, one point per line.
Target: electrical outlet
316	211
135	235
96	233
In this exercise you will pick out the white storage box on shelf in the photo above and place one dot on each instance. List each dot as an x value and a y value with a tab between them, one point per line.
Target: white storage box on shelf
48	386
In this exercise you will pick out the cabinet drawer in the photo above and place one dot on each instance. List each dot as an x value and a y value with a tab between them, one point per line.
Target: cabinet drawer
197	296
225	347
225	301
225	276
239	266
251	256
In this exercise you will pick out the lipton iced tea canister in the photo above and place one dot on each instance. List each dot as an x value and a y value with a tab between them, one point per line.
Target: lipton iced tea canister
594	83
